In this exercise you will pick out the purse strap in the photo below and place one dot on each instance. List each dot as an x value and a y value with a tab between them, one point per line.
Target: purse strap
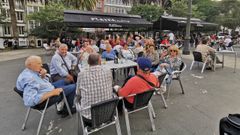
64	63
150	83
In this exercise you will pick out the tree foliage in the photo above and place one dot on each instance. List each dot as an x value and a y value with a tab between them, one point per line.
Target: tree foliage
225	12
80	4
178	8
51	19
229	13
149	12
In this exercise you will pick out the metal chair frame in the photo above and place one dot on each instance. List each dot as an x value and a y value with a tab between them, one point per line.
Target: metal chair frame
42	112
177	75
199	60
85	130
148	106
161	79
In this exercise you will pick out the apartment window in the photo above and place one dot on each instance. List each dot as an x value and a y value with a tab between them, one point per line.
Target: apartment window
21	30
7	30
4	1
18	5
30	10
20	16
31	24
7	13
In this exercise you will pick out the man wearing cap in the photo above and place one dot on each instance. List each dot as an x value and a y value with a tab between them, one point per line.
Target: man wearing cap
136	84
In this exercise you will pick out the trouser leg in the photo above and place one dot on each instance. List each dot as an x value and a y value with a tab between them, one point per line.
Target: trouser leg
70	93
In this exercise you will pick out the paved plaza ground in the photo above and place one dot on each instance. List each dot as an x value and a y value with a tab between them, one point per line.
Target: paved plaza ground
209	97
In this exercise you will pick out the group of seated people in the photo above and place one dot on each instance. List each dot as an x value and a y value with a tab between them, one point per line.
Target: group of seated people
94	83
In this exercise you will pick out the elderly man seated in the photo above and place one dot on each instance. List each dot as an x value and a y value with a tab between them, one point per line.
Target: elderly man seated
61	63
94	85
37	89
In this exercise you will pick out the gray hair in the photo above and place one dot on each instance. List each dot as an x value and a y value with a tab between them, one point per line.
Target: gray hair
31	59
63	46
93	59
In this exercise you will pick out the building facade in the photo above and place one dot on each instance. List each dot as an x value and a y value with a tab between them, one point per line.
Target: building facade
112	6
24	25
116	6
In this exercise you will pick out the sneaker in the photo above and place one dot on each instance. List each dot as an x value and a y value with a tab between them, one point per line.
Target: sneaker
162	89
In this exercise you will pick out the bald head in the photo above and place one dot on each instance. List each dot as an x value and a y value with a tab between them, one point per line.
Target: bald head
94	59
34	63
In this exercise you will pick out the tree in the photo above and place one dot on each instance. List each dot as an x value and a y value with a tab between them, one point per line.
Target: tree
13	16
51	19
2	14
81	4
208	9
149	12
13	19
178	8
229	13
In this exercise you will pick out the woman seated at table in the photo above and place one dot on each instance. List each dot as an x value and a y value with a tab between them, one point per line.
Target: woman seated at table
170	63
109	54
85	54
152	54
138	48
127	53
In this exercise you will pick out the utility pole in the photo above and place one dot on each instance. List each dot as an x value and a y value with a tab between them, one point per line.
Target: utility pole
186	49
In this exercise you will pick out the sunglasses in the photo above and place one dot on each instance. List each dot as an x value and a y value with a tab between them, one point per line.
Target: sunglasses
173	50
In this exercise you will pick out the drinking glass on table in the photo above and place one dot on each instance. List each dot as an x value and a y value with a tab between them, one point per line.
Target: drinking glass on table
103	61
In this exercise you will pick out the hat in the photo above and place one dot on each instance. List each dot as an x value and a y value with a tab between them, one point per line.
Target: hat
144	64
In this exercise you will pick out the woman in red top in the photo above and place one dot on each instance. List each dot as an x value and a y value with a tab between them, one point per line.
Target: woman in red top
165	41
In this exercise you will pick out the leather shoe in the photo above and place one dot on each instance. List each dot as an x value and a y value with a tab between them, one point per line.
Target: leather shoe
65	113
208	68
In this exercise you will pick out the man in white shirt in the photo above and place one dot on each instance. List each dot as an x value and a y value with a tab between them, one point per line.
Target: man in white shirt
171	38
227	40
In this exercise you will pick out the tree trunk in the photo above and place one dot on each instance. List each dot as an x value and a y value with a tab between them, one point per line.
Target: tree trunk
13	19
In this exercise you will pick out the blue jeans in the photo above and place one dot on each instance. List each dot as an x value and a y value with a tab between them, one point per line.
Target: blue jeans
169	72
69	90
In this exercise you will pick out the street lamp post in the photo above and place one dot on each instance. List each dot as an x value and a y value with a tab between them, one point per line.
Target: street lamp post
186	50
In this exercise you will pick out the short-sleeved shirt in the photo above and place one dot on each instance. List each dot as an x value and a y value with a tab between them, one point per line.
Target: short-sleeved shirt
94	85
137	85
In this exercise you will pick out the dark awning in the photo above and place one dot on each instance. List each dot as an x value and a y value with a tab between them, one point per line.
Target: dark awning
176	23
84	19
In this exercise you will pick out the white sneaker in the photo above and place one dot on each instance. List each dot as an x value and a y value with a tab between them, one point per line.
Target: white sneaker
116	88
60	105
163	88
